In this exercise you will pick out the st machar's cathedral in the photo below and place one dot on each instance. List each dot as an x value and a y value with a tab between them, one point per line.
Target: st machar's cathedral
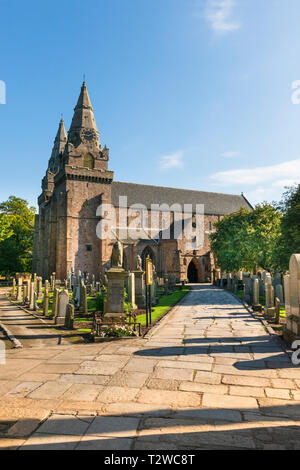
78	180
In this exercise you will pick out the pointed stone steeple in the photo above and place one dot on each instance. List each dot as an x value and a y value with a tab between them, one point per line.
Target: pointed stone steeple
83	127
59	146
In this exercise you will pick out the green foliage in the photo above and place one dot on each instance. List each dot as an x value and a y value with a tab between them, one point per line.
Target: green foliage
289	240
16	244
247	240
5	227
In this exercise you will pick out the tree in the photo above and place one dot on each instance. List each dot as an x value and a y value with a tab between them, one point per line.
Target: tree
247	240
5	227
289	241
16	249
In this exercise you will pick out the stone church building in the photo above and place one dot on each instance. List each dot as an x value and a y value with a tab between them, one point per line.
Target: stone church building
78	180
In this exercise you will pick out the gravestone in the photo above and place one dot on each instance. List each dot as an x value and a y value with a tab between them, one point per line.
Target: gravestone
292	300
83	300
247	289
286	283
69	319
52	279
279	293
269	310
153	291
24	300
277	280
114	303
55	302
63	300
35	280
172	282
46	299
19	291
39	288
32	291
140	299
256	306
76	296
35	307
166	284
131	290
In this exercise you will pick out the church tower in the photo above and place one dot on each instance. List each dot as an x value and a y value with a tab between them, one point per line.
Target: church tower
76	182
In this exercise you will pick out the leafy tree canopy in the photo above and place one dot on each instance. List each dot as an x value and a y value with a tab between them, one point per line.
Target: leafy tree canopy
16	244
289	240
247	239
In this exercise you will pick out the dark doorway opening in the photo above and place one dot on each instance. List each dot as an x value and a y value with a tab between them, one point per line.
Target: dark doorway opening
192	273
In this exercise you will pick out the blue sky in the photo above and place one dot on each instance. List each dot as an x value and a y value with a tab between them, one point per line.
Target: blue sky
187	93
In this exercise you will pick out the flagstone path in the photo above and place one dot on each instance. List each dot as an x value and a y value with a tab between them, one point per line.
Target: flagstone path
209	377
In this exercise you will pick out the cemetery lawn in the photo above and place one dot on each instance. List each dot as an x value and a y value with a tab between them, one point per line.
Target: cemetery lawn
164	304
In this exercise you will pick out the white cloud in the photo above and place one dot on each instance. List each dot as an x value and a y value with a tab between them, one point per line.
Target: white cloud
230	154
174	160
218	14
283	172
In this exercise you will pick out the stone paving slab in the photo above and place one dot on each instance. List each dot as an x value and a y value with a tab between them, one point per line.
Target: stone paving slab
208	377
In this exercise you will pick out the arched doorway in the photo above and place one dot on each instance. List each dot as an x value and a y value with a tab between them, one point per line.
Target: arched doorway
147	251
192	273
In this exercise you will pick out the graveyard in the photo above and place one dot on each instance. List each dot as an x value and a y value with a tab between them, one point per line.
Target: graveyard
149	229
210	372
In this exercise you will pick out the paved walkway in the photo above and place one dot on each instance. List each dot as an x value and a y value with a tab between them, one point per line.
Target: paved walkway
28	329
210	377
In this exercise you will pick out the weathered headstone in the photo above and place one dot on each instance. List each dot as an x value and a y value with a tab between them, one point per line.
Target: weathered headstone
39	288
279	293
140	299
131	290
35	307
277	310
19	291
286	282
76	296
63	300
172	282
69	319
32	292
153	292
255	302
52	282
55	302
83	300
46	300
292	300
247	289
269	307
24	300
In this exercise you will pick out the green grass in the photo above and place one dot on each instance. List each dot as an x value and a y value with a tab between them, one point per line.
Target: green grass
163	305
282	312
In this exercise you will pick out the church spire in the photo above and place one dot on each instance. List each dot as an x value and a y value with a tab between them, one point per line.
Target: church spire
59	145
83	127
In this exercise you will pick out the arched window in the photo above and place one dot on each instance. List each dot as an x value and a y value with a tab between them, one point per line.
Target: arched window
88	161
147	251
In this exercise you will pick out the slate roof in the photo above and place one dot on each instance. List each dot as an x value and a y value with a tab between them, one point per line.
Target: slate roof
214	203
